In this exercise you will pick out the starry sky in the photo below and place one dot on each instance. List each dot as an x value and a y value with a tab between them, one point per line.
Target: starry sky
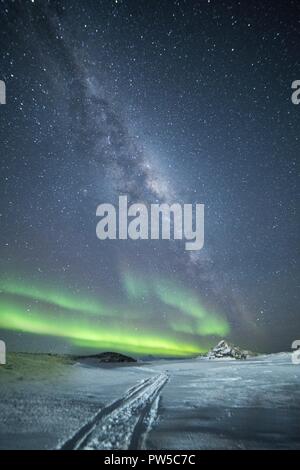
174	101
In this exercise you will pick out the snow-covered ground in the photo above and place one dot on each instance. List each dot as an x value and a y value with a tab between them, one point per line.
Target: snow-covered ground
253	404
44	400
50	402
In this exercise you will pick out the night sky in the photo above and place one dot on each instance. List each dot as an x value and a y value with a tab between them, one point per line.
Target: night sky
173	101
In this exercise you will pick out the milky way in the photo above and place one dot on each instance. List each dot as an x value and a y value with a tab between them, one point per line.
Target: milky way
184	102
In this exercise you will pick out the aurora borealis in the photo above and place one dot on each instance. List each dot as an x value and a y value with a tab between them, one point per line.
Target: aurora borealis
163	102
53	297
58	314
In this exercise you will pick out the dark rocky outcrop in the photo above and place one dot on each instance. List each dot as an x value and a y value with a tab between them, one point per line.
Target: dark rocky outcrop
107	357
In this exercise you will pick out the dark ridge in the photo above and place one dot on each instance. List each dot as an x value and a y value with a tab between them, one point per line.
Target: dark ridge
107	357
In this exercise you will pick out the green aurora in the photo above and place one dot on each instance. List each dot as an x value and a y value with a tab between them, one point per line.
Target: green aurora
200	320
98	325
52	296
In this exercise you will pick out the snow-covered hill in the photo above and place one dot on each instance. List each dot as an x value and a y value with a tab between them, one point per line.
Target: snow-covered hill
225	350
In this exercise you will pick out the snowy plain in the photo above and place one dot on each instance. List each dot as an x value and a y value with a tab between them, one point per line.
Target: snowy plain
49	402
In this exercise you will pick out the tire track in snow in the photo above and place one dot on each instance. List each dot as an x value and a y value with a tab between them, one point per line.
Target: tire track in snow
124	423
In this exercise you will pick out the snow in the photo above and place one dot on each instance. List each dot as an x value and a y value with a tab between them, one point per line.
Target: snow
248	404
204	404
44	399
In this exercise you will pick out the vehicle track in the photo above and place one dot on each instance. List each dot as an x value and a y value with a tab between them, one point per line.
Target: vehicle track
124	423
